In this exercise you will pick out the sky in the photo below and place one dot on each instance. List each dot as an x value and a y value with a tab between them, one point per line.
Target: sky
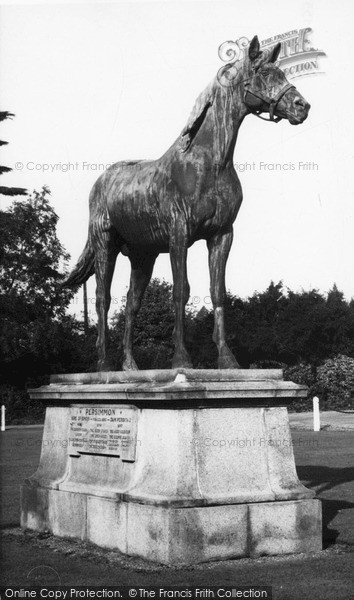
95	83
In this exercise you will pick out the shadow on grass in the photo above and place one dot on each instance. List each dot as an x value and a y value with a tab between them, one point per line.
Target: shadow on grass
324	479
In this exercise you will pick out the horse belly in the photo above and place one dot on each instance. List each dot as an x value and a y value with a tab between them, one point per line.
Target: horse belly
135	212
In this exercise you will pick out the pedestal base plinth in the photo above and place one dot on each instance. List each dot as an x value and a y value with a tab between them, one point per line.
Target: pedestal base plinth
177	535
182	467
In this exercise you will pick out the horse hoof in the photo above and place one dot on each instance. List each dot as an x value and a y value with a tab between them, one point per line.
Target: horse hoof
182	361
130	365
227	360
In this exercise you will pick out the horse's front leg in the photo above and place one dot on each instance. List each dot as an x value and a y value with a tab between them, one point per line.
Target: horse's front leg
178	257
219	248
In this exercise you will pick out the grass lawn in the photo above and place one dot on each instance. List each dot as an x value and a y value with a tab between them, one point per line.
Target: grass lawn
324	462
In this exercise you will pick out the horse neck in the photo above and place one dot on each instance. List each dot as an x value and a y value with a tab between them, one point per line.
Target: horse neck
217	135
225	117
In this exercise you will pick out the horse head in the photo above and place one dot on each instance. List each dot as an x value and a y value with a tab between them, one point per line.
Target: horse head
266	89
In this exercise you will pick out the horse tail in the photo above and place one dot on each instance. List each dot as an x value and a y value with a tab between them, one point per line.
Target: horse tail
99	228
85	266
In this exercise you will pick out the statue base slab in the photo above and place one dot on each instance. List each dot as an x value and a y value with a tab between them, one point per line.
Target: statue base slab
178	466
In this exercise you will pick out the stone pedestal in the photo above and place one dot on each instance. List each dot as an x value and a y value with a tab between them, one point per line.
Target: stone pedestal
175	466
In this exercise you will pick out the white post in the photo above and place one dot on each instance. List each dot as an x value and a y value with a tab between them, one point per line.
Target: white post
316	414
3	417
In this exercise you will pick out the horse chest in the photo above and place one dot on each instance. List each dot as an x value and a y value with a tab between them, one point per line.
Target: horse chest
226	199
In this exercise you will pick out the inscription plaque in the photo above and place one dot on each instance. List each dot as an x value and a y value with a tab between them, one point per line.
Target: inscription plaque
103	429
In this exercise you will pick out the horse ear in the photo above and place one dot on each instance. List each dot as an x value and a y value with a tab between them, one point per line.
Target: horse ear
253	50
274	53
197	116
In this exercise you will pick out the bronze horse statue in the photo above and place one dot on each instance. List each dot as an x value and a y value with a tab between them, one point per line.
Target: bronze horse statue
142	208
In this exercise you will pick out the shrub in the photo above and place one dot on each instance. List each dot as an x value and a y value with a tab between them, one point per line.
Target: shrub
303	374
19	407
335	383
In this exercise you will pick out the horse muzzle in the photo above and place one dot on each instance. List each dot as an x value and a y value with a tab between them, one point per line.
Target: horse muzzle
298	111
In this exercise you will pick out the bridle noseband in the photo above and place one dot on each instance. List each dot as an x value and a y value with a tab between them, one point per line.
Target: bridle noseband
252	98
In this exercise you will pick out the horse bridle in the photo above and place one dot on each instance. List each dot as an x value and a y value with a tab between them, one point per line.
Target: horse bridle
251	100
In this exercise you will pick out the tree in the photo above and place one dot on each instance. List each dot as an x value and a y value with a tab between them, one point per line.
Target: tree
339	325
153	344
262	315
252	325
32	263
4	190
203	349
301	327
313	327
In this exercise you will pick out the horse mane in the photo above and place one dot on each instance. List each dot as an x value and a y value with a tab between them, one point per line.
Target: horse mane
203	103
198	114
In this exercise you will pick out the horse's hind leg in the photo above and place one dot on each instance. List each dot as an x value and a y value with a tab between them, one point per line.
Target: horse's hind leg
106	251
142	266
219	248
